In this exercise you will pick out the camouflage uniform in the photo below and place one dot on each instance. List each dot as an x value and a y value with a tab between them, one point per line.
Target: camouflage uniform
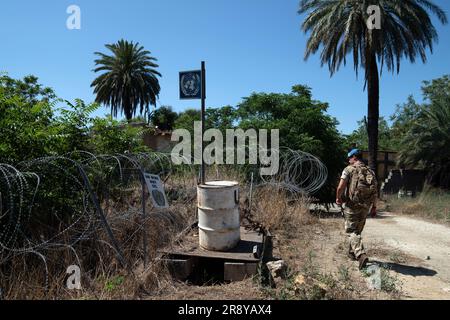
355	220
355	217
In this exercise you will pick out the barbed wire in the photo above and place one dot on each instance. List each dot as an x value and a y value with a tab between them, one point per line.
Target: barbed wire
65	203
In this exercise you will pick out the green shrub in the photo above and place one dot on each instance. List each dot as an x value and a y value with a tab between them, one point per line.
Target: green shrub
111	137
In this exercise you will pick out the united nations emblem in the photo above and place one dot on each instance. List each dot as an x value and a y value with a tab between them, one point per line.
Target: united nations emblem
190	85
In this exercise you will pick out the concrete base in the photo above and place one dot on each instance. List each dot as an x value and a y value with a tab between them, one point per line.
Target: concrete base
238	271
181	269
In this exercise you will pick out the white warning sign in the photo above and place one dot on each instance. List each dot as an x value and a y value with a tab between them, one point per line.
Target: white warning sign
156	190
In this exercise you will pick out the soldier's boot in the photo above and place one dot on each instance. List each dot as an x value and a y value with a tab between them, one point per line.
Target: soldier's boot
363	260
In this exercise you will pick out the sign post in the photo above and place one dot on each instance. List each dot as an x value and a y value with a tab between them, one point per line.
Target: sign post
202	175
193	86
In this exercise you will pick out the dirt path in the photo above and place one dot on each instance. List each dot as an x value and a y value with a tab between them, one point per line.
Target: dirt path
418	252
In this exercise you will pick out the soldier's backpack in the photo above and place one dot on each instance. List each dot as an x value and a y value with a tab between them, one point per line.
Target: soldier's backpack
363	188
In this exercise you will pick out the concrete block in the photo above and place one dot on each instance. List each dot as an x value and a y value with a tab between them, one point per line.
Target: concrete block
238	271
180	268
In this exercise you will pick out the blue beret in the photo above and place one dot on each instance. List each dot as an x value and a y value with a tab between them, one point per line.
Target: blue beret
353	152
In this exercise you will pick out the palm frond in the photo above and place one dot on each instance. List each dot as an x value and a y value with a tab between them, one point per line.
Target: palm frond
338	28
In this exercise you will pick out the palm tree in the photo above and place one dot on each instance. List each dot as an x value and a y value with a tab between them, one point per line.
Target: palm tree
341	27
427	142
129	81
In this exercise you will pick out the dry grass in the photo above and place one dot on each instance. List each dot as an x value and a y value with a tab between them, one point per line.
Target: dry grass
273	209
297	234
279	212
247	289
30	276
431	203
102	277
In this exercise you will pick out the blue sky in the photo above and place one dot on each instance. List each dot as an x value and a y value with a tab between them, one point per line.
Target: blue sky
248	45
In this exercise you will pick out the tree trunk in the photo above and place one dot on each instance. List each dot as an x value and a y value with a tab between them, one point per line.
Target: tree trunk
127	109
373	112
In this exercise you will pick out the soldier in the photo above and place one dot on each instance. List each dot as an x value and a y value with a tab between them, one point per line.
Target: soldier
360	186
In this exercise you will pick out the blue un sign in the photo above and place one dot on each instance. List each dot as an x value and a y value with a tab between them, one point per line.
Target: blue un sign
191	85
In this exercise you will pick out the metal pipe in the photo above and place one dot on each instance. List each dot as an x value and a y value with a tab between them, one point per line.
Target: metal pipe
202	175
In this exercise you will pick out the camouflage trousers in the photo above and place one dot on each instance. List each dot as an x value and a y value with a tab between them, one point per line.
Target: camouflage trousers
355	220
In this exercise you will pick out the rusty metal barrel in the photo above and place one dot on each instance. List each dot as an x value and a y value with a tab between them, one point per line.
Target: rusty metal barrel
218	215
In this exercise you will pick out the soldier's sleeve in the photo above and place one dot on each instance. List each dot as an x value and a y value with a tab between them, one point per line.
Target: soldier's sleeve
345	174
